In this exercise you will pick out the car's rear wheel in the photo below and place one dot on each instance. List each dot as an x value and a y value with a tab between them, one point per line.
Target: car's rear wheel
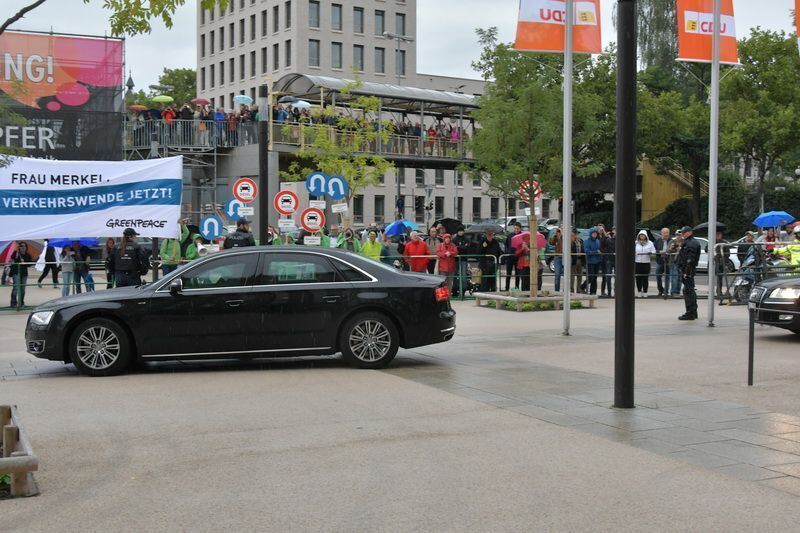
369	340
100	347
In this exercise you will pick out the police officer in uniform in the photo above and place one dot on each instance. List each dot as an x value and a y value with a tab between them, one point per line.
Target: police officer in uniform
129	263
241	237
688	257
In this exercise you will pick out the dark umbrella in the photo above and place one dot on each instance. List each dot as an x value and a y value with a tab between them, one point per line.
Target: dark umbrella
702	228
83	241
483	228
451	225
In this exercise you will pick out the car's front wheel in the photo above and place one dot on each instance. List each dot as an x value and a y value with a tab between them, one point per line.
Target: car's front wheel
369	340
100	347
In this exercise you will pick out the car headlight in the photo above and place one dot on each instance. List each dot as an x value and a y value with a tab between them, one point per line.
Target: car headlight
785	293
42	318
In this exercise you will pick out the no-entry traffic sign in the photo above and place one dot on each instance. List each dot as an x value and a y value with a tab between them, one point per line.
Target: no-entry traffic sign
525	189
312	219
286	202
245	190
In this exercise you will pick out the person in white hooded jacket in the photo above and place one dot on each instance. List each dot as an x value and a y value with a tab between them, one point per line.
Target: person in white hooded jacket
644	250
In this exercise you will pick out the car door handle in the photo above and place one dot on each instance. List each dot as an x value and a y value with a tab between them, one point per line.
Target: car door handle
331	299
234	303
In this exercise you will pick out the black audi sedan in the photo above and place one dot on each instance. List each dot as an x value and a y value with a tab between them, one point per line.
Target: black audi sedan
778	303
249	303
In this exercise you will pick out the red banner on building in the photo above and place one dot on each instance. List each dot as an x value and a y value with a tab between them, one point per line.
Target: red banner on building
541	26
696	31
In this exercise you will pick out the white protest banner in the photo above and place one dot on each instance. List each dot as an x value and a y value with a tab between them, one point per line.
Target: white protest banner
42	198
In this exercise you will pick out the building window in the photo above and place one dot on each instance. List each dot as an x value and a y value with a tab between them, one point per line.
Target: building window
288	53
336	55
264	64
222	100
476	182
222	38
400	63
252	27
211	42
459	208
313	52
287	14
264	23
276	23
358	57
231	35
213	104
211	14
459	178
400	24
232	69
241	5
420	177
380	60
313	13
212	76
401	175
203	45
241	31
380	205
358	20
439	177
253	64
202	16
336	17
494	207
242	67
222	72
203	79
358	208
476	209
380	22
276	58
438	207
419	208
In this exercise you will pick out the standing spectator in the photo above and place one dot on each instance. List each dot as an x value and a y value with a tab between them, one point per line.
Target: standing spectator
688	258
674	270
414	252
170	251
490	252
108	258
577	258
609	261
593	259
447	253
662	245
432	241
387	250
372	248
743	250
20	262
722	253
50	264
557	241
348	242
129	263
541	247
523	257
219	127
511	259
644	250
83	257
463	246
67	269
193	251
770	237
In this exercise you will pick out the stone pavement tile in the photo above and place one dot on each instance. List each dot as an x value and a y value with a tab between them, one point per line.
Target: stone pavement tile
746	436
683	436
608	432
785	446
551	401
594	396
16	378
547	415
684	397
479	395
785	484
587	410
699	410
628	420
780	417
702	459
791	469
656	446
747	453
749	472
766	426
791	436
657	414
703	425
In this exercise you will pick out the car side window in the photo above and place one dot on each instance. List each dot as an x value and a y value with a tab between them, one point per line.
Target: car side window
292	269
229	271
350	273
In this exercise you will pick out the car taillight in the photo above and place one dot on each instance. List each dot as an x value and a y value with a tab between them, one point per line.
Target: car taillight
442	293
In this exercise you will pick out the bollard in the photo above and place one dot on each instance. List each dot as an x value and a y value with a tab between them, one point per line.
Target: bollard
5	415
751	346
10	440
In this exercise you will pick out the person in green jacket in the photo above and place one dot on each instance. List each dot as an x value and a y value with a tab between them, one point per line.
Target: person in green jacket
372	248
348	242
324	240
170	251
193	251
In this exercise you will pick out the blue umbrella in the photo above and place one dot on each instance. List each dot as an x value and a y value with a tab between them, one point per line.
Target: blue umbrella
84	241
398	227
773	219
242	99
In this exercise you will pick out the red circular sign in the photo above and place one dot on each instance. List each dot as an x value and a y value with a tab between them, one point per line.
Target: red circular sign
286	202
245	190
525	189
312	219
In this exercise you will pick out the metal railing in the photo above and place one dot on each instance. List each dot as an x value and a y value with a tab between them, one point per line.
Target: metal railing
197	134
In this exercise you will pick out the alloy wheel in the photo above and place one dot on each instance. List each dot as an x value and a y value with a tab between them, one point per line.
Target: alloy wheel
370	340
98	347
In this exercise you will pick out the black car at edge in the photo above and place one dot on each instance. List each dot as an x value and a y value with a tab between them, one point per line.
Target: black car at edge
778	303
248	303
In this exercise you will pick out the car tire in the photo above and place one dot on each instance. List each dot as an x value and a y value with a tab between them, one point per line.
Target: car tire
729	266
369	340
551	266
100	347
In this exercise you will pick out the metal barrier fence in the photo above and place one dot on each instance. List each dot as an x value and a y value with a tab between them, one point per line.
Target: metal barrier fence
190	133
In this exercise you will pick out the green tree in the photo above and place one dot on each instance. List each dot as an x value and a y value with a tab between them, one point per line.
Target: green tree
657	33
761	103
183	82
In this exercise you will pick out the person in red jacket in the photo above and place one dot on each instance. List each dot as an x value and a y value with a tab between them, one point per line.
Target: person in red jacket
523	254
415	253
447	252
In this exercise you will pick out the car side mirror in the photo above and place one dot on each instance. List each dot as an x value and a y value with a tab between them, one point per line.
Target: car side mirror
176	286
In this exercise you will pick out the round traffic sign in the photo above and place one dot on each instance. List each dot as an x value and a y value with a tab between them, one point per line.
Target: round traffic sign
211	227
312	219
286	202
525	189
245	190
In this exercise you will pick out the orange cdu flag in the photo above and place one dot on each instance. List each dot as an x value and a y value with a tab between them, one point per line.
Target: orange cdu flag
541	26
696	31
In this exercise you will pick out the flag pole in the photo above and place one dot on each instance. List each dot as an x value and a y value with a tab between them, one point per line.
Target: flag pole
566	210
713	167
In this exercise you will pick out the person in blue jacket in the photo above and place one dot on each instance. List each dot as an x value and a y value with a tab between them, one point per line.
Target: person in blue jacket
591	247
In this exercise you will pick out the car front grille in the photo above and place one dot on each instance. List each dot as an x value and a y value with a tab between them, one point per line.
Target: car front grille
757	294
35	346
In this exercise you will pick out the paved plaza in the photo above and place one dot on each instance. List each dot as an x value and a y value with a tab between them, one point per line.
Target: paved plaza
507	427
